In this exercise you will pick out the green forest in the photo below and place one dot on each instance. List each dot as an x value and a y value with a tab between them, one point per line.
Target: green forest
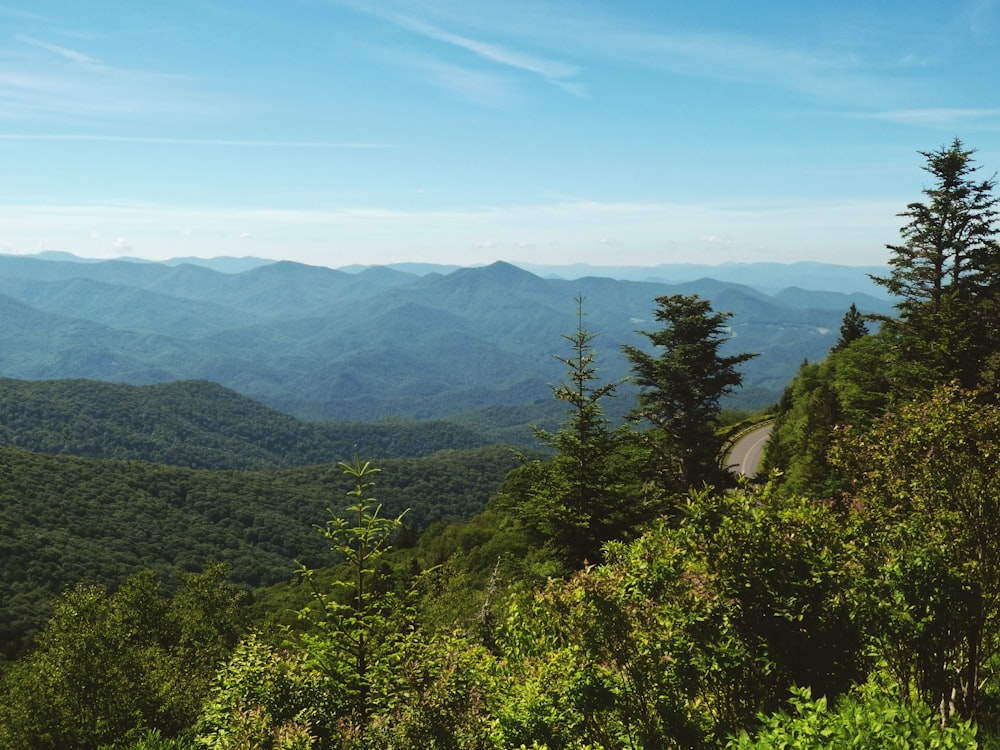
200	425
615	587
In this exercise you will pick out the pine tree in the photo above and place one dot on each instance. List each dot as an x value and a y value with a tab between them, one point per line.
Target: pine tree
581	500
852	328
682	388
946	273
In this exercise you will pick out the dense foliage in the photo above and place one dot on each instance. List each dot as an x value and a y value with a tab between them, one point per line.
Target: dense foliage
199	425
900	426
66	519
581	498
946	273
108	665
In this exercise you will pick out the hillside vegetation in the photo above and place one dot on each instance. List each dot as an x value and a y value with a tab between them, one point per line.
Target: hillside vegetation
65	520
200	425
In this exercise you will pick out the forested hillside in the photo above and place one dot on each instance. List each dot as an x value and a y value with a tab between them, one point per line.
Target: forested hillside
899	431
65	520
200	425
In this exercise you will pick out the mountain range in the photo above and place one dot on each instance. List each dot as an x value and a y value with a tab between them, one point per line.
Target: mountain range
365	344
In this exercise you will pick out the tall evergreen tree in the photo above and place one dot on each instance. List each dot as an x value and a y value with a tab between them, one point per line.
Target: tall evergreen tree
852	328
682	388
581	500
946	273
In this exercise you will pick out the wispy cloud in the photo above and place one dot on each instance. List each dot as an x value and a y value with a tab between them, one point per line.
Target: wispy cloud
555	41
981	16
45	81
735	58
70	55
485	87
939	117
155	140
496	53
503	55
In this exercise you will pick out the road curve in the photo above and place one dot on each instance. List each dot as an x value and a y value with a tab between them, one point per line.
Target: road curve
746	454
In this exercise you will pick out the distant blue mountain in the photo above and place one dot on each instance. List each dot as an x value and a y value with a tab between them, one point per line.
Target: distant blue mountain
223	264
766	277
321	343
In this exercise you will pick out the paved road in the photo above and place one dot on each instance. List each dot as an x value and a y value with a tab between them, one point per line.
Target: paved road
747	452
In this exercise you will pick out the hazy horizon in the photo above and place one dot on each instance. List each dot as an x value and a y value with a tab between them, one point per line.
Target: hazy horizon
527	265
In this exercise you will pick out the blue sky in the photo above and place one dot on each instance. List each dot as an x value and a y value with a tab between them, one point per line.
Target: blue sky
632	132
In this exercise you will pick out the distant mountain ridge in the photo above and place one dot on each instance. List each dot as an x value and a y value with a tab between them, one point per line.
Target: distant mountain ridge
224	264
768	277
319	343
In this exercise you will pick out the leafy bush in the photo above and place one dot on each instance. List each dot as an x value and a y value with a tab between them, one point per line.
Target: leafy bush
868	718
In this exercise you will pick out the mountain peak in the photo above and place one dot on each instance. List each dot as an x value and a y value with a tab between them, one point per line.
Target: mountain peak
500	270
502	266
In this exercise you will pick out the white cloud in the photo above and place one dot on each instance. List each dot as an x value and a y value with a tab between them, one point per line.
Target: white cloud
712	239
743	59
816	63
